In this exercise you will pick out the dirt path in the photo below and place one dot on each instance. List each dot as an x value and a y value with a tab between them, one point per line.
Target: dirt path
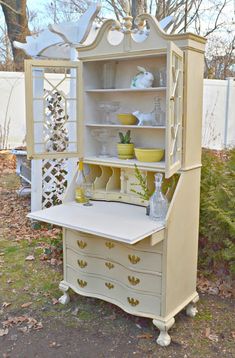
33	324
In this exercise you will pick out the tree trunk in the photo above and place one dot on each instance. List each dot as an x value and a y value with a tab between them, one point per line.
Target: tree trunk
17	27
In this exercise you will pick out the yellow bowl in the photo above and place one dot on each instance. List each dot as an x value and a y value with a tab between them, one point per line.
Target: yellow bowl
149	154
127	119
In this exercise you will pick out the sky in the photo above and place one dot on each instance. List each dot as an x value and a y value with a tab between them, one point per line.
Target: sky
43	21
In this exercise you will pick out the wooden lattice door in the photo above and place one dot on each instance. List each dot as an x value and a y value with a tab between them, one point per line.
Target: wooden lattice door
174	98
52	127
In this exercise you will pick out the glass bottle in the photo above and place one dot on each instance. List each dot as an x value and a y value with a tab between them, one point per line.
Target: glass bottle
80	181
158	202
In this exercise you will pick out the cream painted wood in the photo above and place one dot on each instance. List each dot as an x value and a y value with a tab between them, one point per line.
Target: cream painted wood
110	290
160	258
126	223
133	258
110	269
40	86
181	218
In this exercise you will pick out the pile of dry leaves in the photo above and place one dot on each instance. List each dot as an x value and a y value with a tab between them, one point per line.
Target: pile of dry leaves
14	224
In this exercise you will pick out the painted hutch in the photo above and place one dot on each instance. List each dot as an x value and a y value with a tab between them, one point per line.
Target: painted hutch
112	250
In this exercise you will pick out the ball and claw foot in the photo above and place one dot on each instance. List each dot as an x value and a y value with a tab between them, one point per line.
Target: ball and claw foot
164	338
65	298
191	310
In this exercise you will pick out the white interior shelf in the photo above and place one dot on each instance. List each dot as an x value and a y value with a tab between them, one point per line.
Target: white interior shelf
103	125
107	90
116	162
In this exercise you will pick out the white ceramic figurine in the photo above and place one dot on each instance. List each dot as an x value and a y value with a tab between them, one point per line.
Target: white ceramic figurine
143	79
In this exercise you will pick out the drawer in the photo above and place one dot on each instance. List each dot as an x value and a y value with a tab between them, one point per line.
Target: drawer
150	282
112	291
130	256
84	239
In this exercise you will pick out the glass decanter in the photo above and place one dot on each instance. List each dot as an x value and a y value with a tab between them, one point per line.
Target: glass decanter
158	202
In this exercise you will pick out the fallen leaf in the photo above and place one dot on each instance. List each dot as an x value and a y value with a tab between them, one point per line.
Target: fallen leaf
38	326
207	332
30	258
3	332
55	301
213	337
53	262
27	304
9	281
145	336
6	304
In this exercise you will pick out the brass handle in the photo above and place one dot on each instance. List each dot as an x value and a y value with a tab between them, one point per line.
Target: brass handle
109	285
109	265
109	244
82	283
82	263
133	259
133	280
132	301
81	244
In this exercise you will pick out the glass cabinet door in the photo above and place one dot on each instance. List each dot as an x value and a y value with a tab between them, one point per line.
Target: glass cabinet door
174	102
51	108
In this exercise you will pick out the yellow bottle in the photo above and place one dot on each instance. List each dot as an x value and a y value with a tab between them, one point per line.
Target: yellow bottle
80	181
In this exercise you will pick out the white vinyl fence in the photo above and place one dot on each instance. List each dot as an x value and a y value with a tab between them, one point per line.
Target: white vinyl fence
51	177
218	126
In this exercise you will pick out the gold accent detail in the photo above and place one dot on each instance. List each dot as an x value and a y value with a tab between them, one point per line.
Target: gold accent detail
133	280
82	263
109	285
109	265
82	283
133	259
109	244
132	301
81	244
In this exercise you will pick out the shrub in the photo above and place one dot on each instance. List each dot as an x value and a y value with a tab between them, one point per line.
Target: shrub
217	213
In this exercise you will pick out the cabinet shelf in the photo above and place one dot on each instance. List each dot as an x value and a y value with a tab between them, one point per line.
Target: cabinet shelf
128	163
100	125
109	90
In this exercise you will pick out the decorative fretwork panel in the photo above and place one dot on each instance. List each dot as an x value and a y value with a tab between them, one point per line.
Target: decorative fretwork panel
54	181
174	109
51	109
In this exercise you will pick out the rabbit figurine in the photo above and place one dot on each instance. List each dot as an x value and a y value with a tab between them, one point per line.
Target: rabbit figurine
143	79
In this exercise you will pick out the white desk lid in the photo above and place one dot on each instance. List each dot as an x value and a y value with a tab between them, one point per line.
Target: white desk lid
116	221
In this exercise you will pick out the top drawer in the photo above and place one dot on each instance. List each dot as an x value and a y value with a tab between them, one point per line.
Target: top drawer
138	257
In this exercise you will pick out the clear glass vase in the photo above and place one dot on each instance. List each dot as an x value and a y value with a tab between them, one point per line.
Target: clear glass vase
158	202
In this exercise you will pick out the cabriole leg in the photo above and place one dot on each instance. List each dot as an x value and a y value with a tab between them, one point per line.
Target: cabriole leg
191	310
164	338
65	298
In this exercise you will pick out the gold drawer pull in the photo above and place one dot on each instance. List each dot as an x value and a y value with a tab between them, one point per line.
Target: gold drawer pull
109	244
134	259
81	244
109	265
82	283
133	280
82	263
133	302
109	285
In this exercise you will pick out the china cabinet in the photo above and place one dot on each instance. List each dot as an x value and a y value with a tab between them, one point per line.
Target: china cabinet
112	250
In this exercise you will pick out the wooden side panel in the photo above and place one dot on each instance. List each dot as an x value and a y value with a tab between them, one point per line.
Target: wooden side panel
192	108
181	244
